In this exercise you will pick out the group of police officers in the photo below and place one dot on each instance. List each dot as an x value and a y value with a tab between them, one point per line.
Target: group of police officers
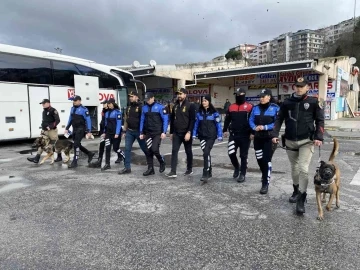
148	124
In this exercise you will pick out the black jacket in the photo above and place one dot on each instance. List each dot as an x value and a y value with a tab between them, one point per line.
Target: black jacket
50	118
132	116
304	119
102	123
182	118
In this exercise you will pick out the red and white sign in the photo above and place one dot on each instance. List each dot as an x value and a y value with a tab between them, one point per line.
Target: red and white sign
71	92
198	91
289	88
291	76
105	96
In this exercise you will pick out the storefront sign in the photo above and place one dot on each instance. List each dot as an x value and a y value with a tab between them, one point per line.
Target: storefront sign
291	76
256	79
289	88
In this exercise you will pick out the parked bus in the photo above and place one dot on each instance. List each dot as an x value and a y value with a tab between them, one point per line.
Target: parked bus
28	76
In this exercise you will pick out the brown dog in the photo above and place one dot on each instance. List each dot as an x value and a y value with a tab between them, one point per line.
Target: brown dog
43	142
327	180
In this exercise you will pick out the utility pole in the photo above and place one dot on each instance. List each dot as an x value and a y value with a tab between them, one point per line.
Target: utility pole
58	50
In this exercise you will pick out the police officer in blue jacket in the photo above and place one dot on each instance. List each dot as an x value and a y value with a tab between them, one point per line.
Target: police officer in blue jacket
207	128
80	121
153	127
112	132
262	120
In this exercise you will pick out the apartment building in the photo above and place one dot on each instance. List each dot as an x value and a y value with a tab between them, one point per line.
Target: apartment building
280	48
264	53
333	32
306	44
245	49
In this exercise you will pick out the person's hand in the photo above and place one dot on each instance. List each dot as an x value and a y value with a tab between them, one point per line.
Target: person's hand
116	136
102	135
226	134
317	143
124	134
141	137
66	132
220	139
163	136
187	137
88	135
171	137
48	128
252	136
275	140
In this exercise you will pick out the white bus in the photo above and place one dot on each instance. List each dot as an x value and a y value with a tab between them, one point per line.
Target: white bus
28	76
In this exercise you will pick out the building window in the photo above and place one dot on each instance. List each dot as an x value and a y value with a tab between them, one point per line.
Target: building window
24	69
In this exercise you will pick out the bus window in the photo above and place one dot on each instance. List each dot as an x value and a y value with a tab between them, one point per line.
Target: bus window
64	73
106	81
122	94
23	69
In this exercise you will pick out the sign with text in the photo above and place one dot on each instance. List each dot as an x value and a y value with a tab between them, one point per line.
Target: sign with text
71	93
289	88
254	79
292	76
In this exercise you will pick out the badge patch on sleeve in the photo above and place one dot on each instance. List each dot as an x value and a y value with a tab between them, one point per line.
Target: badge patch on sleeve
87	113
164	111
217	119
321	104
119	116
55	112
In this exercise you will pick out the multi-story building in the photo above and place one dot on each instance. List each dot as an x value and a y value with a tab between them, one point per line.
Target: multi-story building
264	52
306	44
333	32
280	48
253	56
245	49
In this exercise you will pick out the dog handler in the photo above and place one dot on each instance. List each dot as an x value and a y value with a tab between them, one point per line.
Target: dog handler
50	120
304	120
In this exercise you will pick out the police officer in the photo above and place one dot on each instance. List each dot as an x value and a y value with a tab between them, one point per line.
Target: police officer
80	121
207	128
182	120
132	127
112	131
153	126
237	122
50	120
304	120
97	163
262	120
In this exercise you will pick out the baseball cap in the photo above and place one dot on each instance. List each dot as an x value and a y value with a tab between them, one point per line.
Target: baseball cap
110	100
104	102
301	81
265	92
133	93
76	98
148	96
45	100
182	90
240	91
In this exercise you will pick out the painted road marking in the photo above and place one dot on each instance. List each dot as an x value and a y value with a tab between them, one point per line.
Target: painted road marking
356	180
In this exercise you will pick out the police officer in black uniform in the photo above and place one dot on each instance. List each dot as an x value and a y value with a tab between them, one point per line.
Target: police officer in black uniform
50	120
182	120
304	121
97	163
153	128
80	121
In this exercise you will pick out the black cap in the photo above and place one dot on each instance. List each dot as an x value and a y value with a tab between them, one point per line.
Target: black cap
45	100
148	95
301	81
133	93
265	92
240	91
76	98
104	102
182	90
207	97
110	100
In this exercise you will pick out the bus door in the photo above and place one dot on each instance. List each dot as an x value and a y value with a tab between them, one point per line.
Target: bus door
87	87
36	95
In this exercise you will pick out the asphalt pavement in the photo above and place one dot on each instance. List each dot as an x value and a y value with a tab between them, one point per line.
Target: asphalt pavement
52	217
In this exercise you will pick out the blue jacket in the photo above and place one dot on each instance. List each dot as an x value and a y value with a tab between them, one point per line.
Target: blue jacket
207	125
154	119
263	116
112	123
79	118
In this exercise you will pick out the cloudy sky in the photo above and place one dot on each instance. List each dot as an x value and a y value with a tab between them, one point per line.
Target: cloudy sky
117	32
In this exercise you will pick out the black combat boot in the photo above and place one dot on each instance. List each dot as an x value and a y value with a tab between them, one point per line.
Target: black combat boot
295	195
106	167
162	167
241	178
210	172
264	188
300	204
58	158
73	164
125	171
150	171
34	159
236	173
90	156
205	176
96	164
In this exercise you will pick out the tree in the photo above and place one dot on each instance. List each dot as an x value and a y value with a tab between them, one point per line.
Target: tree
234	55
338	51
